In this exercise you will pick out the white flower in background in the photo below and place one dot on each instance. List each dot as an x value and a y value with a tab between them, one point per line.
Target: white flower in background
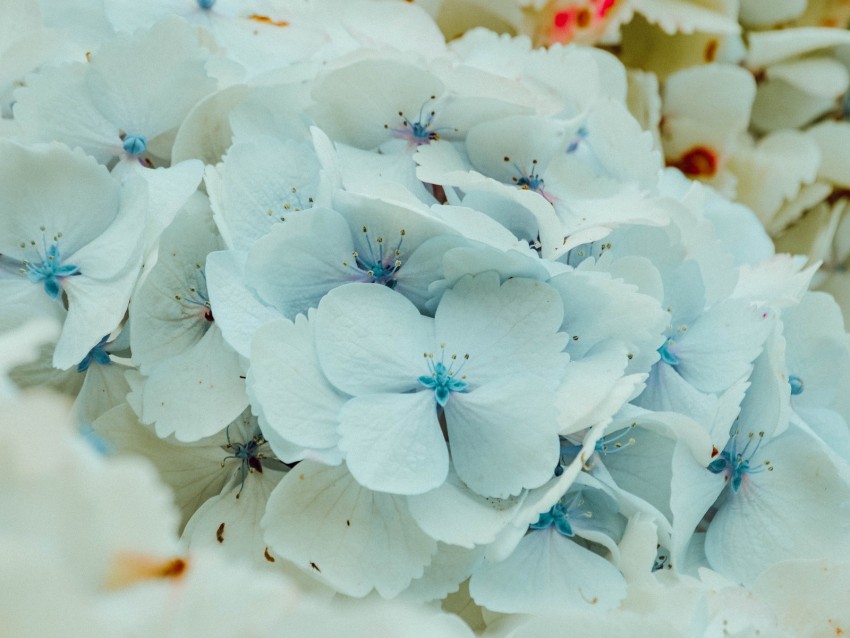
26	45
705	110
70	233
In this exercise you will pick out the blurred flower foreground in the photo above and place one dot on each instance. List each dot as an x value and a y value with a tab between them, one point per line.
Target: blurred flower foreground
314	323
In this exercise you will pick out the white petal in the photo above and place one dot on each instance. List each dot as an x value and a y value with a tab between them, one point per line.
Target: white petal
354	539
300	260
393	442
503	436
230	522
548	571
236	308
719	346
391	339
454	514
287	386
505	329
197	392
797	510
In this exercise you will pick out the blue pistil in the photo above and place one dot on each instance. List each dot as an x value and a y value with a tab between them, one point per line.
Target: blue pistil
379	266
796	384
50	271
98	355
667	355
443	380
556	517
135	144
736	464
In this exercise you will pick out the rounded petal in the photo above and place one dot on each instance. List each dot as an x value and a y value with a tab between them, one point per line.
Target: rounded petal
503	436
288	389
371	339
548	571
393	442
506	329
356	540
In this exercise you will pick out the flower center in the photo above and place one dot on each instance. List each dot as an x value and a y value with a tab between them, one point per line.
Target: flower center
135	144
248	453
98	355
292	203
556	517
379	266
668	355
419	131
196	302
47	268
736	465
206	4
444	380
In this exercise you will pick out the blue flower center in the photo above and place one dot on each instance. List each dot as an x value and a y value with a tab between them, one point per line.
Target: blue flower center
557	517
48	269
97	354
527	180
738	464
135	144
380	265
196	302
418	131
444	380
667	353
206	4
248	453
796	384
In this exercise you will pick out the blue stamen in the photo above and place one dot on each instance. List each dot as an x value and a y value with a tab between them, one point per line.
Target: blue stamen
796	384
206	4
135	144
736	465
442	380
420	131
377	267
667	355
529	181
97	355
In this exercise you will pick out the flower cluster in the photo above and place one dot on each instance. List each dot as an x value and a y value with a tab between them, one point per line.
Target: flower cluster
396	316
749	96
